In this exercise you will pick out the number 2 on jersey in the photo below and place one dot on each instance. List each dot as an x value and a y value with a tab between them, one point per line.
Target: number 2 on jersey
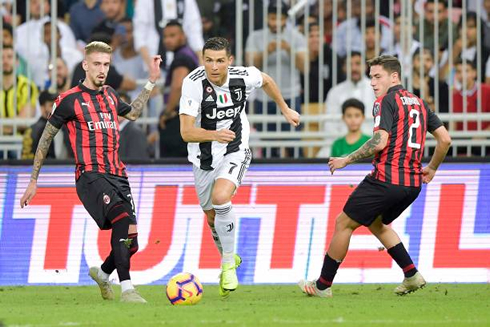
413	129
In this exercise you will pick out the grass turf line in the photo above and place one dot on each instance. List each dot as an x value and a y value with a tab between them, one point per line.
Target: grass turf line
259	305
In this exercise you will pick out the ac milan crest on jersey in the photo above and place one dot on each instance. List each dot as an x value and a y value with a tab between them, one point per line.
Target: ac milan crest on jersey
106	198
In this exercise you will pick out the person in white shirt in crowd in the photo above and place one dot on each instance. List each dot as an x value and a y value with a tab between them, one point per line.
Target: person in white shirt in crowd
285	53
29	40
71	56
404	51
358	87
149	22
125	57
350	29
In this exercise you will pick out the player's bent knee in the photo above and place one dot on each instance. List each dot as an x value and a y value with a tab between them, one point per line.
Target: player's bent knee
343	222
220	198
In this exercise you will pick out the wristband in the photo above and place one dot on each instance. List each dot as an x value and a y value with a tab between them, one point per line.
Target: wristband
149	86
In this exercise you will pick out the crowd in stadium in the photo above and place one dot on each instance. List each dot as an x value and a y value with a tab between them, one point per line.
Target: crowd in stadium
317	55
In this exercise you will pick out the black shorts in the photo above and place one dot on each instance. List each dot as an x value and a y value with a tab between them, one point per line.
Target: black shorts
100	192
373	198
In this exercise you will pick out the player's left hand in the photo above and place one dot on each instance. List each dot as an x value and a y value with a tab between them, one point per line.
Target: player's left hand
336	163
428	174
155	71
28	194
292	117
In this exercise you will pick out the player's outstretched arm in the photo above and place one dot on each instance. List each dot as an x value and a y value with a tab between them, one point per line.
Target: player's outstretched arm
443	143
139	103
272	90
193	134
373	145
42	151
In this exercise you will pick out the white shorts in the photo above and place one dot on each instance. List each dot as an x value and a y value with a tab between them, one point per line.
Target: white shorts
233	168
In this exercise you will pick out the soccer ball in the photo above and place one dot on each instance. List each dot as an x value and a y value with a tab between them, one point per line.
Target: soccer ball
184	289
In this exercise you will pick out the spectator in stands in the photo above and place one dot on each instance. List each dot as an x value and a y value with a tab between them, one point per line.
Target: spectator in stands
149	22
114	78
431	13
33	134
404	51
291	42
63	77
114	13
371	40
328	17
426	83
316	72
84	16
126	59
358	87
19	102
8	39
29	40
353	117
351	28
486	41
185	61
71	56
470	92
469	51
132	139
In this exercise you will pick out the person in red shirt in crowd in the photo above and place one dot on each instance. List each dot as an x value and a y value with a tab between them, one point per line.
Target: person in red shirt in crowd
470	92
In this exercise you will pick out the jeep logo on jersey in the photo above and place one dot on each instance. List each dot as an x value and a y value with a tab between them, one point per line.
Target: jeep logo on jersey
224	113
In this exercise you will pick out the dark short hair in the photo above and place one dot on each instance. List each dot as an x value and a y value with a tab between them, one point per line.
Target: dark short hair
8	27
471	63
439	2
175	23
217	43
46	96
417	52
389	63
352	103
272	9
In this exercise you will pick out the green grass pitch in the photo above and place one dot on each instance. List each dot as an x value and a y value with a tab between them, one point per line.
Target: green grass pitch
259	305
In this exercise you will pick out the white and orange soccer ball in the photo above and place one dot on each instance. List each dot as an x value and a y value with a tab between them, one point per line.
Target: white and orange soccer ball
184	289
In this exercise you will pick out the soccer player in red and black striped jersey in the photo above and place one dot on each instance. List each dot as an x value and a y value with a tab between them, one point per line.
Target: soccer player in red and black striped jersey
401	121
90	112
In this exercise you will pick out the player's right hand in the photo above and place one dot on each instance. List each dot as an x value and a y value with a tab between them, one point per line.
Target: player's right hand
428	174
225	136
29	193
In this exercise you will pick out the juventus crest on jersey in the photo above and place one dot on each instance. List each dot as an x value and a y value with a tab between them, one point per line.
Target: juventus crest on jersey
218	107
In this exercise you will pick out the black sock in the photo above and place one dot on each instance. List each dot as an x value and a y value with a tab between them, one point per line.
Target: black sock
329	269
120	243
402	258
108	266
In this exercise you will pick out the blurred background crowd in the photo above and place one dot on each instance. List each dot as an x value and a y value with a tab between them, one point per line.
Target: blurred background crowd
315	49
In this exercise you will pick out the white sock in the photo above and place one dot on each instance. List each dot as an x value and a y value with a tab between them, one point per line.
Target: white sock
225	225
126	285
102	274
217	242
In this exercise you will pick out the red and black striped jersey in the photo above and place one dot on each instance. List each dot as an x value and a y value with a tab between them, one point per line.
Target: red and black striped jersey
407	119
93	127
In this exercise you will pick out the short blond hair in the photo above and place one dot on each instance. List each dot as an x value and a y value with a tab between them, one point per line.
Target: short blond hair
97	46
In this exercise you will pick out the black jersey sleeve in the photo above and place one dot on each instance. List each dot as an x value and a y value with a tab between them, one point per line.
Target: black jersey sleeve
383	113
433	121
62	112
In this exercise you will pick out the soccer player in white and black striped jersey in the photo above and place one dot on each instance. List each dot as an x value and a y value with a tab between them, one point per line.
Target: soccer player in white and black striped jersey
214	123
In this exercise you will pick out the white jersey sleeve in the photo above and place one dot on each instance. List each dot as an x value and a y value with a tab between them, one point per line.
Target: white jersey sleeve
191	98
254	79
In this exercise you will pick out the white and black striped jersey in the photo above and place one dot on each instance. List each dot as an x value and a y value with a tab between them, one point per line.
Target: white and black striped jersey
218	107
